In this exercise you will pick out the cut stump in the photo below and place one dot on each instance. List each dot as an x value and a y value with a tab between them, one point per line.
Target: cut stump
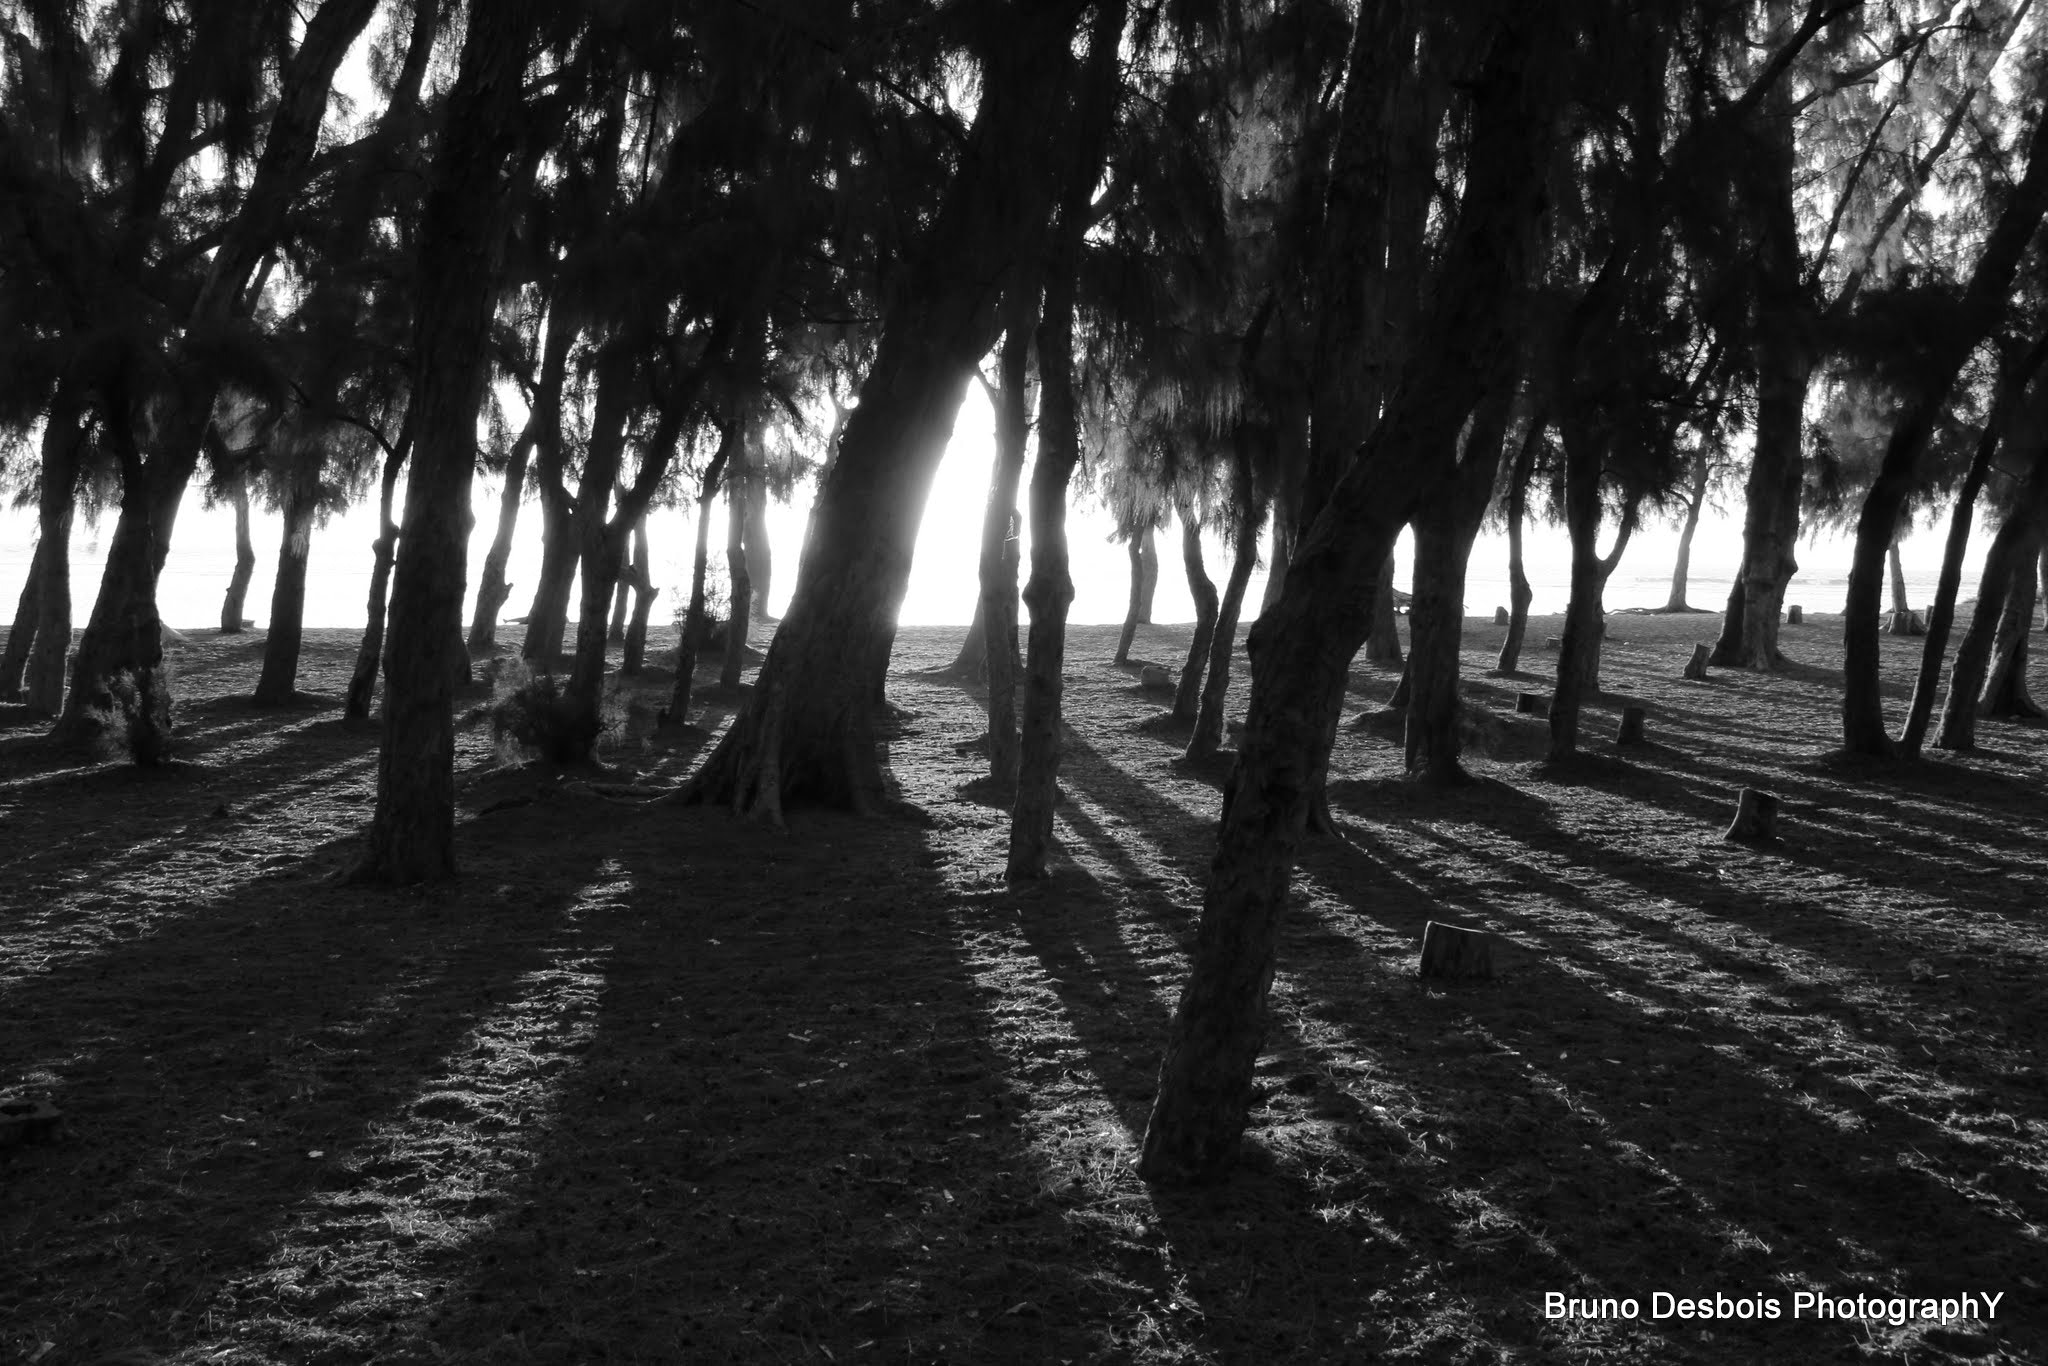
1756	817
1696	667
1152	676
1500	616
1905	624
1532	704
1455	952
1631	731
1794	616
1553	643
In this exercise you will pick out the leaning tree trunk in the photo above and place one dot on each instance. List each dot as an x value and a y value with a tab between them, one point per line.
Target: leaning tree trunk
1984	299
1301	648
1001	547
1148	557
1520	595
543	433
1900	607
362	682
2005	691
739	578
2010	555
45	638
1187	697
14	659
1208	734
760	555
1682	568
547	620
808	728
1436	627
695	627
462	246
235	604
1383	646
278	682
600	549
491	588
1130	631
633	656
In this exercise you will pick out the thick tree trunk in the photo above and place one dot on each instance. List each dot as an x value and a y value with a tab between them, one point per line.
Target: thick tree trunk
547	620
462	245
1383	646
1863	727
1208	734
808	728
43	640
14	659
2005	691
738	575
278	682
632	657
1682	568
1436	627
1001	545
234	606
1187	697
1301	649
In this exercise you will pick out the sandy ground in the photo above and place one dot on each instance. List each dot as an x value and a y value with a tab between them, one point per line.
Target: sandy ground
656	1085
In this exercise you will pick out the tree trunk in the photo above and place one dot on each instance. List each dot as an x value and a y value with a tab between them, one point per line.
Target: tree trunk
279	680
547	620
807	730
1520	595
737	575
1148	560
1208	735
1001	545
1900	607
235	605
1302	647
760	556
633	657
1578	658
2011	554
970	662
2005	691
370	653
1697	500
600	548
1124	637
14	659
462	245
1436	627
1187	697
1863	727
491	588
616	633
1383	646
695	627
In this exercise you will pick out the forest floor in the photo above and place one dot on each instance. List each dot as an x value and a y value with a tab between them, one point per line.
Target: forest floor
652	1084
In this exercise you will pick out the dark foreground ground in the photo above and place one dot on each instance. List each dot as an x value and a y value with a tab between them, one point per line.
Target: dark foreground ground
653	1085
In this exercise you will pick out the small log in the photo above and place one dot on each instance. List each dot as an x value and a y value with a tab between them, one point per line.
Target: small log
1696	667
1532	704
1631	732
1453	951
1756	817
1500	616
1152	676
1794	615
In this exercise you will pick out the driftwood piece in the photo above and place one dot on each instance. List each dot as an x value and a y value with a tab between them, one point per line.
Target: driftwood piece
1631	731
1500	616
1696	667
1756	817
1532	704
1794	616
1453	951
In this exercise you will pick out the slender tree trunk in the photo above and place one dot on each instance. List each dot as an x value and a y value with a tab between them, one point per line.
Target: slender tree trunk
1863	727
695	627
1301	649
1208	734
1681	570
14	659
600	548
1130	630
462	245
808	728
370	653
633	657
279	680
616	633
1148	560
235	604
760	555
1001	543
1900	607
1383	646
547	620
737	575
1520	595
1187	697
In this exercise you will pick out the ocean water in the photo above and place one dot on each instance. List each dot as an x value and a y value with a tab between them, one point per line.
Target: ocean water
943	585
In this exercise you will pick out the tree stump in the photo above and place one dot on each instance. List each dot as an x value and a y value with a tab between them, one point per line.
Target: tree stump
1905	624
1532	704
1553	643
1500	616
1696	667
1152	676
1756	817
1454	952
1794	616
1631	732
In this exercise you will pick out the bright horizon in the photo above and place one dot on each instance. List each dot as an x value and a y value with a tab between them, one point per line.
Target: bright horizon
943	584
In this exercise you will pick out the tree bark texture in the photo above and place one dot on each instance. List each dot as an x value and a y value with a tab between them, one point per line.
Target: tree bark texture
1465	344
808	728
1001	546
462	246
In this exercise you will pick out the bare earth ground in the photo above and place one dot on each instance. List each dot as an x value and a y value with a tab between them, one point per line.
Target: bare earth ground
654	1085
